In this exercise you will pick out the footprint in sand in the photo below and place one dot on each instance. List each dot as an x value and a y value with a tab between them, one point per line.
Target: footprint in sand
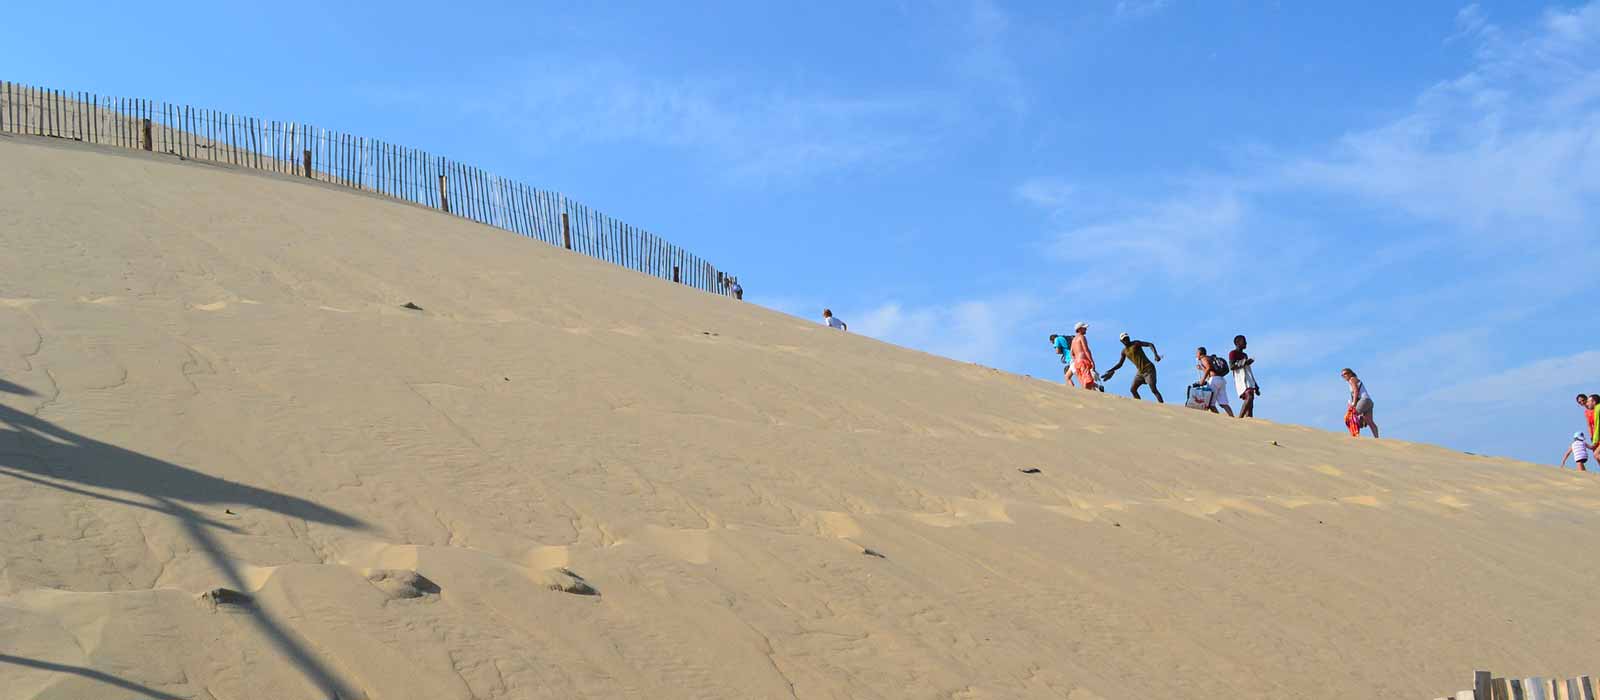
400	584
213	306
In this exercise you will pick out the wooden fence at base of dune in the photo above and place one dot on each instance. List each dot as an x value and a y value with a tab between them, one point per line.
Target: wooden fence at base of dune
1486	686
301	150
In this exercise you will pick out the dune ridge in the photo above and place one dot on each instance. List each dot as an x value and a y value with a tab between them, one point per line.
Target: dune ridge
563	479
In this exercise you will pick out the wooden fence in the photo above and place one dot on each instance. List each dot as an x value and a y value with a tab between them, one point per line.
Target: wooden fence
370	165
1486	686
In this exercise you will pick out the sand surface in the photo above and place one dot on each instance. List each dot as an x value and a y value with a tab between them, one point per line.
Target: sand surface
207	380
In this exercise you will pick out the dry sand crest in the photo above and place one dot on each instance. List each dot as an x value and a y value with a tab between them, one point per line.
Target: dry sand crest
209	382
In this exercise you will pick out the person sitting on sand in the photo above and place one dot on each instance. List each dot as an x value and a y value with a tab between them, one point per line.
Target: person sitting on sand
1244	378
1579	451
738	291
1082	359
1214	374
833	321
1059	342
1133	351
1360	400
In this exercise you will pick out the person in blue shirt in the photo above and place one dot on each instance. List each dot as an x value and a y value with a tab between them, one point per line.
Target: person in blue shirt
1063	353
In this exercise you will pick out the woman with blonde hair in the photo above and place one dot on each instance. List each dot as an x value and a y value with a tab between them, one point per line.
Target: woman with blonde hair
1360	400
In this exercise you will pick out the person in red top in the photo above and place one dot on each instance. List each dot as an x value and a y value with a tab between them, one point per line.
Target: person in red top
1593	415
1588	415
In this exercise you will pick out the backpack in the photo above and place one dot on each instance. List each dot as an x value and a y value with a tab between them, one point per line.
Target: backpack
1219	366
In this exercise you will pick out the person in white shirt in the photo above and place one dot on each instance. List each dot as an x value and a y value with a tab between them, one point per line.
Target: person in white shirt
833	321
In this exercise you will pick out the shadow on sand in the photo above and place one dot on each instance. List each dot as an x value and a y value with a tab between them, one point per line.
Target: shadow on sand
38	451
101	676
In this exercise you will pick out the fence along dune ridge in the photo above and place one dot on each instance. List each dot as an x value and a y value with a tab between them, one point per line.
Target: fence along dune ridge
360	163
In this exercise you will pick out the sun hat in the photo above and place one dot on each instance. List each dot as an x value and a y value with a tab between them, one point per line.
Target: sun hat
1124	336
1081	325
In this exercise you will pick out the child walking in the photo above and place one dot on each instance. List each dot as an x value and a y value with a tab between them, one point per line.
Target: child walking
1578	451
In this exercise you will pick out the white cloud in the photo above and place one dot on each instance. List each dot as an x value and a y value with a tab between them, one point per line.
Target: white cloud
760	134
1535	381
986	62
1508	151
1139	9
1184	240
1295	348
1053	193
979	330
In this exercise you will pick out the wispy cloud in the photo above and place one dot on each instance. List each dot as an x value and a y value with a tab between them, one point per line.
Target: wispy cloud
976	330
1053	193
1139	9
1508	151
986	62
1535	381
757	133
1188	238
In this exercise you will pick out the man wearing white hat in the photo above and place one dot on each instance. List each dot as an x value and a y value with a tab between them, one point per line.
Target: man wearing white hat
1132	351
1082	359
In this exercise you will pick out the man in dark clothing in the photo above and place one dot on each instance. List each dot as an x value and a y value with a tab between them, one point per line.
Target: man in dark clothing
1133	351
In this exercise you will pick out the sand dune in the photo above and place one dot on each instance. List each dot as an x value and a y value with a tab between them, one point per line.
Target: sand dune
562	479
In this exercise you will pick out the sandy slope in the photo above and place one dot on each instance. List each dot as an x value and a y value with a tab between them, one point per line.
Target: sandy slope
208	381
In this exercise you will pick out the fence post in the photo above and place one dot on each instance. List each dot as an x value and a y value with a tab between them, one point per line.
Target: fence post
675	275
144	133
444	197
566	232
306	156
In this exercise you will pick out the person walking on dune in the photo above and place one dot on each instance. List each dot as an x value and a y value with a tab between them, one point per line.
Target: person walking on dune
1133	351
1594	420
1591	421
1360	403
833	321
1082	359
1244	379
1059	342
1579	451
1214	374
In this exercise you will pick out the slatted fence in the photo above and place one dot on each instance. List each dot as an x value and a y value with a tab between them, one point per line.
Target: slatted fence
302	150
1487	686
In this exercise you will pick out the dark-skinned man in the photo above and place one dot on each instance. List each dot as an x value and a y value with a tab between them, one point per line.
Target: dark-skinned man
1133	351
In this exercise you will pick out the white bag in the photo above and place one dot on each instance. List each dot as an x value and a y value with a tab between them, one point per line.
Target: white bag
1199	397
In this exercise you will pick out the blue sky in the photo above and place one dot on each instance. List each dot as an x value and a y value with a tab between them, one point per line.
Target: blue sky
1408	189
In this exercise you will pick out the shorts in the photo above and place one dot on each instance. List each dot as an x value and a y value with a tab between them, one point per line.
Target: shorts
1085	371
1364	407
1145	377
1219	392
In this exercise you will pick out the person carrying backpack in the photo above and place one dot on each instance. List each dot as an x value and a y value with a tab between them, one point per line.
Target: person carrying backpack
1063	353
1214	373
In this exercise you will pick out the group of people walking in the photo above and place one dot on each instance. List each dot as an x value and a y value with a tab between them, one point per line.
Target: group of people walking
1584	442
1211	388
1210	392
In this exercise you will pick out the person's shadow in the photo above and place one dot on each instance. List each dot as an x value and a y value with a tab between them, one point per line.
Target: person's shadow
38	451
